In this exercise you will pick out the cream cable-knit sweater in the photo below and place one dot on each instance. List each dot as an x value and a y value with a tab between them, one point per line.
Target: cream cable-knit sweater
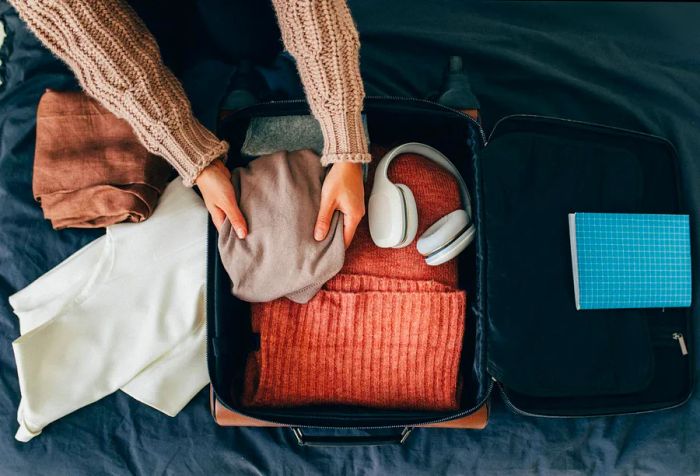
117	61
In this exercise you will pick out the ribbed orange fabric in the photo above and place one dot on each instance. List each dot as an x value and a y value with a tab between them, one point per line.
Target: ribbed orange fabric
385	332
359	346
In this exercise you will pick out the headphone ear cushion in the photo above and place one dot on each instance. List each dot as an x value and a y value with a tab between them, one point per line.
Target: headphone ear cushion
385	214
443	232
410	216
453	249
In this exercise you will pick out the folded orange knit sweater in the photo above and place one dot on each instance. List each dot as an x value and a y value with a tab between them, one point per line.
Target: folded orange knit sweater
386	332
369	341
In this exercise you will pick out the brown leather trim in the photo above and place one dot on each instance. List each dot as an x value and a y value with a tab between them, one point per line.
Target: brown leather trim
473	113
474	421
225	417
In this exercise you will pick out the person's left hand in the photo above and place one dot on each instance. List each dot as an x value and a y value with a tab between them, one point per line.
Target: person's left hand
343	190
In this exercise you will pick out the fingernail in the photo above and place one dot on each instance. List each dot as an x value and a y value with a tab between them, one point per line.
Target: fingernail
318	234
240	233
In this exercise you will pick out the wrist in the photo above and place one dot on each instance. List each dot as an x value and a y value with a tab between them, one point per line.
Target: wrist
349	169
347	165
207	170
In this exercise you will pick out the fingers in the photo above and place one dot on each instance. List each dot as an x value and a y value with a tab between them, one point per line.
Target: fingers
220	198
323	221
217	216
230	207
350	223
351	220
234	215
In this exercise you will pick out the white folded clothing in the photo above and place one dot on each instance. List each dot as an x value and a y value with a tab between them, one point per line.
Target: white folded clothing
126	311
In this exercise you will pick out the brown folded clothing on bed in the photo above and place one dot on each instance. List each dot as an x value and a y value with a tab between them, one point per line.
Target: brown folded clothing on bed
362	343
89	168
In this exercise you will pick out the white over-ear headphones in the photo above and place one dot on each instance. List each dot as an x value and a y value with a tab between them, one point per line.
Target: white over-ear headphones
393	217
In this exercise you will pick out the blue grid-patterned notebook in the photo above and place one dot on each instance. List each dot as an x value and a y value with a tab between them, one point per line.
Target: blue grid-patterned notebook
625	260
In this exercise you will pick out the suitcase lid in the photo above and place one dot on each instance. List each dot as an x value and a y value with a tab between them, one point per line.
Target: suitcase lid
547	358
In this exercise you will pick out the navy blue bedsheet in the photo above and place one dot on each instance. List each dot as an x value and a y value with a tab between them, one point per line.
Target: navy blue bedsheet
634	66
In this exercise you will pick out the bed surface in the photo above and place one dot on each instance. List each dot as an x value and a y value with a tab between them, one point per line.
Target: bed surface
635	66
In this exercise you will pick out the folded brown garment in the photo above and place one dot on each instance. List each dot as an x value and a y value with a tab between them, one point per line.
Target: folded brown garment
89	168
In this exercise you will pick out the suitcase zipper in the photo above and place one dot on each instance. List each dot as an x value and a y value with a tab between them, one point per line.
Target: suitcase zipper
677	336
509	404
474	122
455	416
666	338
681	342
571	121
519	411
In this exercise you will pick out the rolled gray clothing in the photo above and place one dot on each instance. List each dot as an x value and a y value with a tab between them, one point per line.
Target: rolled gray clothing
266	135
280	195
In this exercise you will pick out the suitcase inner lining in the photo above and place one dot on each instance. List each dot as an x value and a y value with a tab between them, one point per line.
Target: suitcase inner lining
551	358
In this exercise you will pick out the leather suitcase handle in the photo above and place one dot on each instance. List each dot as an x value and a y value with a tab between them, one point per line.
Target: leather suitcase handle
335	440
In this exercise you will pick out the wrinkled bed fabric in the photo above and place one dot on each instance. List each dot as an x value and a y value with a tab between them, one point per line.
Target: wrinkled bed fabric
623	64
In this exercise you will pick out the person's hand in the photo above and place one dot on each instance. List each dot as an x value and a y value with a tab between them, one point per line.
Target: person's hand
219	197
342	190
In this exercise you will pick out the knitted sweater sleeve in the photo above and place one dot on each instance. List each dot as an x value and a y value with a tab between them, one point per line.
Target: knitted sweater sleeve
322	37
117	61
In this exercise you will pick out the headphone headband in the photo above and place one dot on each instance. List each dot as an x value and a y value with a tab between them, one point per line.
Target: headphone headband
433	155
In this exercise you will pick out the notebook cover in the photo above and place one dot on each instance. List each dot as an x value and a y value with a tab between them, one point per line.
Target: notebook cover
623	261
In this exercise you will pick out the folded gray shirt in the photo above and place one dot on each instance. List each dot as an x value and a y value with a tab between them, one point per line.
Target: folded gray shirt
280	195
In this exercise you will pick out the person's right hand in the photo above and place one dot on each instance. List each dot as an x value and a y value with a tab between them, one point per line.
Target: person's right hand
220	198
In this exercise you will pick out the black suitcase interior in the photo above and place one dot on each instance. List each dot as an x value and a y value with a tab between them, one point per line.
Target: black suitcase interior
523	334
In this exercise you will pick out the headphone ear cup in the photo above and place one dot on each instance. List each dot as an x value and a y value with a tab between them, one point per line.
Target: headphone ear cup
410	216
444	231
453	249
386	215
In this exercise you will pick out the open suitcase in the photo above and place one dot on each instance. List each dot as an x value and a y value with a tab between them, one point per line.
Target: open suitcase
524	337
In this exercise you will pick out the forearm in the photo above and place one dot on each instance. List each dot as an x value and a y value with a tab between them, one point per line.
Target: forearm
322	37
117	61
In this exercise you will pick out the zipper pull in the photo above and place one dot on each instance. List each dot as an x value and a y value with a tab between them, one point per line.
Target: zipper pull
681	341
